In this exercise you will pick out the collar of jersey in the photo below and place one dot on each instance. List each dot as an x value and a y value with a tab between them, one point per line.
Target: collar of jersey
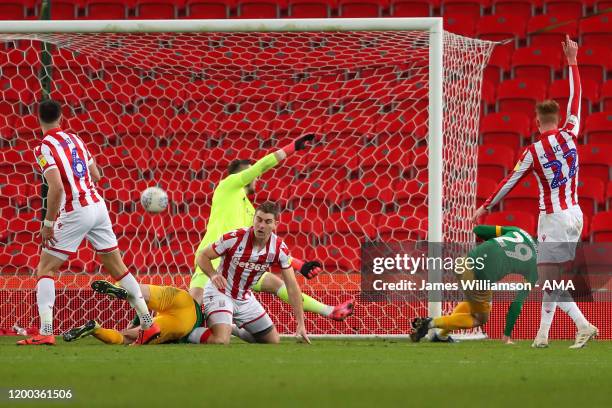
54	130
548	133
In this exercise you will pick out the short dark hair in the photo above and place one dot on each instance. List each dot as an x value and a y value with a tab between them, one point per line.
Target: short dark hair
548	111
49	111
269	207
235	165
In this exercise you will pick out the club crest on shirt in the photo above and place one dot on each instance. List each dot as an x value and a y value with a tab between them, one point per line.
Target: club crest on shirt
544	237
42	161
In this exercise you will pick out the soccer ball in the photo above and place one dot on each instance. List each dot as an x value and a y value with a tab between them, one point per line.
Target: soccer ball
154	199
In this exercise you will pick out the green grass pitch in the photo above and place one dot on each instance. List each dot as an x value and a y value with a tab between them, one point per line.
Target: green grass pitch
328	373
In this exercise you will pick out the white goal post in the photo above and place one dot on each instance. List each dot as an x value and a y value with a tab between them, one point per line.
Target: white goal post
475	55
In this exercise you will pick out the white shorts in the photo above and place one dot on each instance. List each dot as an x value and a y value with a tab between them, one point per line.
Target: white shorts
558	235
223	309
91	222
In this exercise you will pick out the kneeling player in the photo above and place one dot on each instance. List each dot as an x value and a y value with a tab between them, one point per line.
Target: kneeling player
177	314
245	254
507	250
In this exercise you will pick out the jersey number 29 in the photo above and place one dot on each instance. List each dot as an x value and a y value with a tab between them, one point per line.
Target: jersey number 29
522	251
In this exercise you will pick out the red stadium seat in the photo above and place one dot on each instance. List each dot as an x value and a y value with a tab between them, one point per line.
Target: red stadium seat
591	192
524	196
536	63
208	9
501	27
601	227
167	259
398	228
360	8
609	195
14	9
471	9
410	8
598	128
258	9
521	219
594	62
371	193
519	8
560	92
62	9
606	97
544	30
602	5
494	161
568	9
507	129
157	9
460	24
596	30
488	95
520	95
308	9
107	9
595	160
410	197
484	188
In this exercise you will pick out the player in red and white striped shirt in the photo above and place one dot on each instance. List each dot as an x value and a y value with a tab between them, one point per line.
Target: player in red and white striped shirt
70	172
246	254
554	160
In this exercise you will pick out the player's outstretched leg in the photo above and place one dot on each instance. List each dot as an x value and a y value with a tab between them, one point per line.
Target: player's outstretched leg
272	284
107	288
82	331
114	265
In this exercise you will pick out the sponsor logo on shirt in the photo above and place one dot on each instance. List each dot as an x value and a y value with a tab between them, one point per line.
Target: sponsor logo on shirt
250	265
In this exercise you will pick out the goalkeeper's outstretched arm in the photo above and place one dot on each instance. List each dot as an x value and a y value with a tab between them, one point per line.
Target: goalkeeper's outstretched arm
246	176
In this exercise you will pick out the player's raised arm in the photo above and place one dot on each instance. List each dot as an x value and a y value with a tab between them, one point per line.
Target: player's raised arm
295	299
522	168
246	176
572	121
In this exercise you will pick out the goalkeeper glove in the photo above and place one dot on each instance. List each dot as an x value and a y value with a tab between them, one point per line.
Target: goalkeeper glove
309	269
300	143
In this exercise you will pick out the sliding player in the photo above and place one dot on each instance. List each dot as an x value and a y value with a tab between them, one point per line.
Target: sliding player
554	159
245	255
177	314
232	209
506	250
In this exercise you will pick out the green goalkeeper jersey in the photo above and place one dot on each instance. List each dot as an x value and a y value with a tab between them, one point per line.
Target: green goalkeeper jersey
231	208
507	250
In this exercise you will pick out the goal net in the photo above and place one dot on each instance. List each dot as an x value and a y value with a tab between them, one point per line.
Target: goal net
174	109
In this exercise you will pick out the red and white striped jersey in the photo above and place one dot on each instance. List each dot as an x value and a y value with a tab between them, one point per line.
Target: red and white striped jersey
242	265
553	158
68	153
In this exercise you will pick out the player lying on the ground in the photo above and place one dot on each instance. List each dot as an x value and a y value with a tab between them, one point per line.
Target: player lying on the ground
245	254
231	209
177	315
506	250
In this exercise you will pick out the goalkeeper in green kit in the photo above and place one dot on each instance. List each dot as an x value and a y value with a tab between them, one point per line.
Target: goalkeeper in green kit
232	209
506	251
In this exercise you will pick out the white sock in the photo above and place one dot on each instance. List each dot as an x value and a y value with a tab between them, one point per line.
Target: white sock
199	335
128	282
243	334
45	298
549	305
571	308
